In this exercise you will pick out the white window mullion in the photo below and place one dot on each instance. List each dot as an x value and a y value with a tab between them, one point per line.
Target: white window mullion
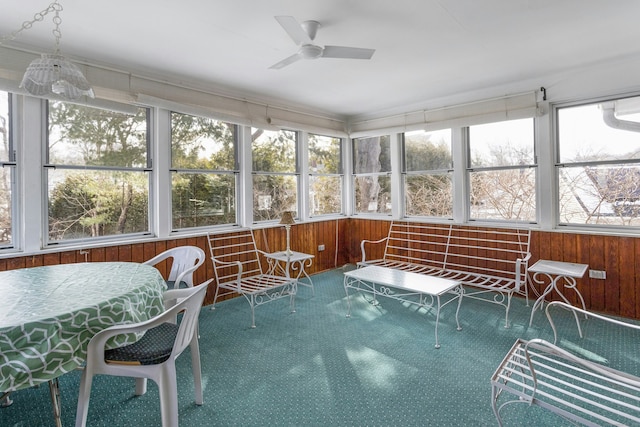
31	139
244	203
160	197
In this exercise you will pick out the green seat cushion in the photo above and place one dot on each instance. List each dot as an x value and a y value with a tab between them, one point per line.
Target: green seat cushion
153	348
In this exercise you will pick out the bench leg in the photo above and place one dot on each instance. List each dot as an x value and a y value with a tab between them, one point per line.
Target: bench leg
494	398
252	303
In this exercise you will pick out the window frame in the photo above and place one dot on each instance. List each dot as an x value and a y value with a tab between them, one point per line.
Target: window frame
471	169
11	163
295	174
340	174
405	173
387	174
47	166
559	164
235	172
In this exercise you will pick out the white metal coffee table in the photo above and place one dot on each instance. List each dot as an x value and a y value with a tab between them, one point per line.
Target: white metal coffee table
405	286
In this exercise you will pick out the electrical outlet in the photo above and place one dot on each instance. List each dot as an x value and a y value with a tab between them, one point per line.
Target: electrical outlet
597	274
320	248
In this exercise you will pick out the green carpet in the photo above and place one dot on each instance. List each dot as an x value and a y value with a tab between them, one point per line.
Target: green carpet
318	368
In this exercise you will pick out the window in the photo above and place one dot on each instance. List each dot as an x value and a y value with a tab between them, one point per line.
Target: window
325	175
203	171
275	173
7	172
97	172
372	170
502	171
598	166
428	174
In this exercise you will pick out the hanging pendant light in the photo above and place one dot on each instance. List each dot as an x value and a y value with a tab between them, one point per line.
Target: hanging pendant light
53	73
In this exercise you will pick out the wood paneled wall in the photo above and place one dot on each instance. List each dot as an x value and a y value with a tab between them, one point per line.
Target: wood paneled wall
619	294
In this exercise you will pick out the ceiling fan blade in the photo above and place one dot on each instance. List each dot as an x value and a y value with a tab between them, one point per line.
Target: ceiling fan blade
347	52
290	60
294	29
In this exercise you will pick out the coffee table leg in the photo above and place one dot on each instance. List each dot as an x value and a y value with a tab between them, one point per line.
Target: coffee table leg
346	290
460	293
437	321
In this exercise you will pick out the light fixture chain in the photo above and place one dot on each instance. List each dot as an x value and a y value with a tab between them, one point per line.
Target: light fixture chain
38	17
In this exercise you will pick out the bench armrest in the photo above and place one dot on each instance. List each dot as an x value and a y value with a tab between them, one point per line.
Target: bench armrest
237	264
362	244
522	265
585	312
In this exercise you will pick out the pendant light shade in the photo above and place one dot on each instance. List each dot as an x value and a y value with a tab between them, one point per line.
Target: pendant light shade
53	73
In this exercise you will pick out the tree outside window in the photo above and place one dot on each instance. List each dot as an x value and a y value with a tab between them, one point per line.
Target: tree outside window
598	165
97	172
502	171
428	174
7	172
372	169
203	171
325	175
275	173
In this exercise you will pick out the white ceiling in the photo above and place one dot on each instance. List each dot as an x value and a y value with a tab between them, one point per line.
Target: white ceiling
426	50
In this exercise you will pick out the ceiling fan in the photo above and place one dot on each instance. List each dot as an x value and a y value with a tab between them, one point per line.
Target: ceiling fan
304	34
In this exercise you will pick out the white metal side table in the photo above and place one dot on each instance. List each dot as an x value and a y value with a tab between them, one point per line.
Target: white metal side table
298	262
557	273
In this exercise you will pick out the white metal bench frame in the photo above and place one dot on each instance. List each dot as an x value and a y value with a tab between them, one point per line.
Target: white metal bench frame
455	252
237	269
537	372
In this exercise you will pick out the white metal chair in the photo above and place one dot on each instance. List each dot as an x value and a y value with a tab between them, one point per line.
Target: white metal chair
237	269
186	260
152	356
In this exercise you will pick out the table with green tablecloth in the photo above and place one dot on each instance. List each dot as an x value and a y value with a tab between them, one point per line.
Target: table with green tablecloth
49	314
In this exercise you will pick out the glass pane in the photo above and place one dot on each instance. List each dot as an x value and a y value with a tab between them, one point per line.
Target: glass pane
597	132
324	154
85	204
203	199
507	143
426	151
372	155
325	194
5	126
81	135
6	173
429	195
201	143
504	195
273	151
273	195
604	195
373	194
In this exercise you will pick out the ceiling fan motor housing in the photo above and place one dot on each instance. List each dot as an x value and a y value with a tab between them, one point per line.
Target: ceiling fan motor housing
310	51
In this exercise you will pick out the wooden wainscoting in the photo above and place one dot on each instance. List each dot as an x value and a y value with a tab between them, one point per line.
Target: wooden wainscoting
619	294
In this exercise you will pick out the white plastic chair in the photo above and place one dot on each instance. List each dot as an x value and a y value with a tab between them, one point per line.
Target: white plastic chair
186	260
152	356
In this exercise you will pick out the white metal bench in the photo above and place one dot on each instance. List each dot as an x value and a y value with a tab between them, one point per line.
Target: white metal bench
238	270
568	381
492	261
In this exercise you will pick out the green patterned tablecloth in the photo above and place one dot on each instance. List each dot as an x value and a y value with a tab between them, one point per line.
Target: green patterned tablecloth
49	314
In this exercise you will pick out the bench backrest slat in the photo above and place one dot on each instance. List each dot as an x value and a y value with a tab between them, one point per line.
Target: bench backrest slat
492	252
